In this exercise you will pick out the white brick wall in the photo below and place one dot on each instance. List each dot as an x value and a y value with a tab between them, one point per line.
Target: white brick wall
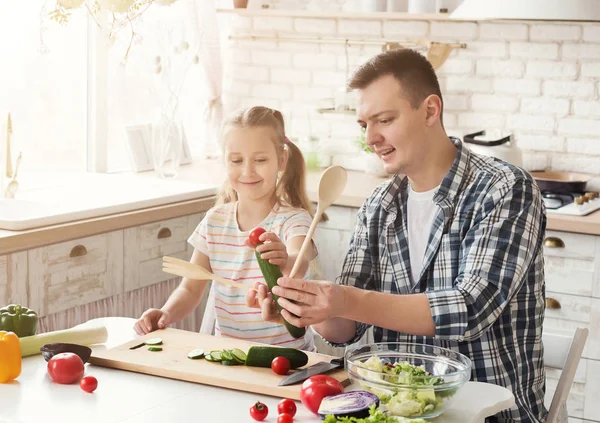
540	80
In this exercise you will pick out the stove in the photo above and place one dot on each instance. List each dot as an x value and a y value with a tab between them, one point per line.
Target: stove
574	203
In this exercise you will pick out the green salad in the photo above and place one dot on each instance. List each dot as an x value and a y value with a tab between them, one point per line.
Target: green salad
404	401
375	416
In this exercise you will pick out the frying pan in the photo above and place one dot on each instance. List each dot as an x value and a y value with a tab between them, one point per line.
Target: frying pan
564	182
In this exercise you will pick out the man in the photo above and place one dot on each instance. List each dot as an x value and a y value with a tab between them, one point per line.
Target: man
447	254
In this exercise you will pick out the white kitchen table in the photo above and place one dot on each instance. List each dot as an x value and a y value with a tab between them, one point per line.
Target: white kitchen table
138	398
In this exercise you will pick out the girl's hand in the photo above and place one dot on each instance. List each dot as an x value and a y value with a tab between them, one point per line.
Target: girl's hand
151	320
271	249
263	299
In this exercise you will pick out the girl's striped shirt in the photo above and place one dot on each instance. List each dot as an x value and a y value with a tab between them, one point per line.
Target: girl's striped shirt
218	236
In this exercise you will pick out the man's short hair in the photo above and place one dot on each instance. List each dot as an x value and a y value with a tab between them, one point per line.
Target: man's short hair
412	70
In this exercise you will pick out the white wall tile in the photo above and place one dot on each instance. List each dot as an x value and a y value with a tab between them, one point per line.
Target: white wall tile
495	102
517	86
591	33
534	50
545	106
543	32
531	123
583	146
509	32
315	26
580	51
405	28
454	30
261	23
574	126
549	69
290	76
502	68
568	89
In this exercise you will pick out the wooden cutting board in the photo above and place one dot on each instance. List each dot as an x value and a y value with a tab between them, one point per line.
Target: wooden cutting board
172	362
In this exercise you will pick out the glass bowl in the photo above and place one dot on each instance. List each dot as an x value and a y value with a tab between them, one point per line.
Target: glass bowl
411	380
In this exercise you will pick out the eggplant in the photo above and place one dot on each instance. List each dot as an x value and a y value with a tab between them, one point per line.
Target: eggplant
349	404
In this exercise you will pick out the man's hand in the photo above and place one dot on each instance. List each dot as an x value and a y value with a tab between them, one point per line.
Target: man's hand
315	301
263	299
271	249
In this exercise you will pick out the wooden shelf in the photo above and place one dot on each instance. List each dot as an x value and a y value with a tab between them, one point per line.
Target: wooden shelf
290	13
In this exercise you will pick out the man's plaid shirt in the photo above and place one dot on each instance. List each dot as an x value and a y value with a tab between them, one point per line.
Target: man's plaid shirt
483	271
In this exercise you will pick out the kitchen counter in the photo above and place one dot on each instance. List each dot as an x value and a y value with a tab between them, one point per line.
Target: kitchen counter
128	397
359	186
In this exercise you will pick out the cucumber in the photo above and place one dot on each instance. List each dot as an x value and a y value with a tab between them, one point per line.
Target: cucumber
263	356
153	348
196	354
271	273
153	341
238	355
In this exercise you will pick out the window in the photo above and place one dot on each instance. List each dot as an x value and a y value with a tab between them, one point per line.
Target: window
45	93
137	91
78	96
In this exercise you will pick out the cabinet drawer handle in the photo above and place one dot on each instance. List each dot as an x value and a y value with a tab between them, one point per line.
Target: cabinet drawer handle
164	233
552	303
554	242
78	251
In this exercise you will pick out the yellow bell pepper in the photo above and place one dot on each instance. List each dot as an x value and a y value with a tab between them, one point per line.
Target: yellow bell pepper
10	356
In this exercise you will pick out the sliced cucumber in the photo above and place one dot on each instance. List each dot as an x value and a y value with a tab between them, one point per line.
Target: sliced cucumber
208	357
229	363
196	354
152	348
216	355
238	355
226	355
153	341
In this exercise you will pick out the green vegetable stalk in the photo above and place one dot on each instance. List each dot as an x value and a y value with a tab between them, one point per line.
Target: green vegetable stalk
375	416
18	319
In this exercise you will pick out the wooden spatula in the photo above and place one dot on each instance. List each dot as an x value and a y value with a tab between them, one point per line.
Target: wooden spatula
178	267
331	185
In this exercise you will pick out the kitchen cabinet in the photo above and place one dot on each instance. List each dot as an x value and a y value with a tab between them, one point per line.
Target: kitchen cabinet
145	246
105	271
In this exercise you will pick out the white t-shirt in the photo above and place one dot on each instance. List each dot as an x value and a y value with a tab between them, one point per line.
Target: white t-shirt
219	237
421	212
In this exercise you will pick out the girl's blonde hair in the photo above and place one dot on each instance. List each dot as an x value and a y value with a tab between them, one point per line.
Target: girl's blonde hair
291	186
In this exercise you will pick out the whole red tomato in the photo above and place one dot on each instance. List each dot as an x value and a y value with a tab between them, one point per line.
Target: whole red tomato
315	388
285	418
259	411
65	368
287	406
254	235
281	365
88	383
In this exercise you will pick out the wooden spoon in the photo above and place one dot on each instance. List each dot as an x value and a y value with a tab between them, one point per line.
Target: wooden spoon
331	185
178	267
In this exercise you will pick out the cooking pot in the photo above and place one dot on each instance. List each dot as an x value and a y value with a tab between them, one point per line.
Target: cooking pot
561	182
494	144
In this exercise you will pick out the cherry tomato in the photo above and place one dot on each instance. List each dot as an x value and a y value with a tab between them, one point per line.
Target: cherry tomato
65	368
254	235
287	406
88	383
281	365
315	388
285	418
259	411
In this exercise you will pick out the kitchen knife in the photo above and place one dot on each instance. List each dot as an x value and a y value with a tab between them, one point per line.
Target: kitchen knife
315	369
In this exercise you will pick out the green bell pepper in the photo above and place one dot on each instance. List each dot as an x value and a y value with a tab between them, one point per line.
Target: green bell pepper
20	320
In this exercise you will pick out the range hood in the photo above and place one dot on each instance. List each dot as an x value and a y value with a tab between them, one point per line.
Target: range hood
550	10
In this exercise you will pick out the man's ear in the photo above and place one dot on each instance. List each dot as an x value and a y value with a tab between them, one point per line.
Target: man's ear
433	107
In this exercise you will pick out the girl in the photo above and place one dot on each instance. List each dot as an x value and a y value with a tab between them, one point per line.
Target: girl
264	188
